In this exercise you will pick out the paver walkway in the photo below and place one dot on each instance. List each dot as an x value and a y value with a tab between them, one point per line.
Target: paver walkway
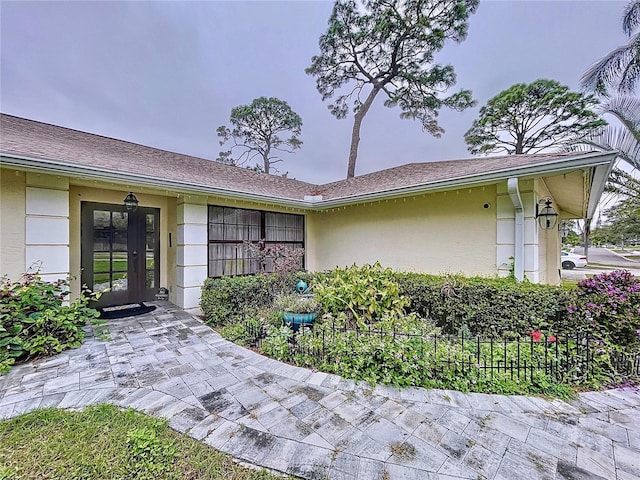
316	426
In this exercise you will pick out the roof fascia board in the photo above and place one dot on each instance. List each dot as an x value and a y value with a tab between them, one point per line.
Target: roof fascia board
598	183
41	165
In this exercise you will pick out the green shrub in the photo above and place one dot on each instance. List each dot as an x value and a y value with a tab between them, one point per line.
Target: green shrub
34	322
409	351
364	294
493	307
296	303
229	300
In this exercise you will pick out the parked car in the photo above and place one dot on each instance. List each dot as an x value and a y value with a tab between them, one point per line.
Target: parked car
570	261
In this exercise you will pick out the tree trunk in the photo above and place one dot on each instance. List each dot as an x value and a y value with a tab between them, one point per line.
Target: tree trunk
587	231
267	164
355	133
519	144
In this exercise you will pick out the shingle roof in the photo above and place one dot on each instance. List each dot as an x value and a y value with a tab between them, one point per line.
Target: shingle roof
43	141
31	139
414	174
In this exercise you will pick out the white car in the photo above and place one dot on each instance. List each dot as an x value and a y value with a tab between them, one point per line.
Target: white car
570	261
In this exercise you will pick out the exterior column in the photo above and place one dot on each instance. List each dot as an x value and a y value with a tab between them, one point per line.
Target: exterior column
191	255
47	226
505	235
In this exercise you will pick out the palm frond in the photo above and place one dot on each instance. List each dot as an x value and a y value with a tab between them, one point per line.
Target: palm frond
631	18
611	139
625	108
607	71
623	184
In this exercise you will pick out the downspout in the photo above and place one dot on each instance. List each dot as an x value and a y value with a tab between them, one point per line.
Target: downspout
518	259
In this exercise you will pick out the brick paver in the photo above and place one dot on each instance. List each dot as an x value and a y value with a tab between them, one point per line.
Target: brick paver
316	425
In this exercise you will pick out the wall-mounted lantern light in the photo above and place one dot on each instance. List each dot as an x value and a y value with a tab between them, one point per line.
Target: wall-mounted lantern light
545	213
564	229
131	202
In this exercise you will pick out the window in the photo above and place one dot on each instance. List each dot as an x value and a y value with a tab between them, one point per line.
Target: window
230	227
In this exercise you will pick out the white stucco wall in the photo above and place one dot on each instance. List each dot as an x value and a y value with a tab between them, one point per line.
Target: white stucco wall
191	255
47	225
446	232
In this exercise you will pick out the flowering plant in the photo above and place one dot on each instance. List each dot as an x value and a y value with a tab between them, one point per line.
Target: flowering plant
276	258
537	336
609	305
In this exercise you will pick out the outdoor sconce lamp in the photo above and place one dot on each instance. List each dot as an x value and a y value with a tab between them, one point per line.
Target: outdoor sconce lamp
546	215
564	229
131	202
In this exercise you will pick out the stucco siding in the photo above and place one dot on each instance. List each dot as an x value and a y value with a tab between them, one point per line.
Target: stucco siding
12	223
436	233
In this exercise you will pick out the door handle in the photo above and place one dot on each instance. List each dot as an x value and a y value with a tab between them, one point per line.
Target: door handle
134	254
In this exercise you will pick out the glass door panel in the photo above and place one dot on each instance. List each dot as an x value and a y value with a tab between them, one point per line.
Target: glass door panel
120	252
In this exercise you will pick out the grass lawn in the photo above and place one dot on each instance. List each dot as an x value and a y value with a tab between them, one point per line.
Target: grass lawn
104	442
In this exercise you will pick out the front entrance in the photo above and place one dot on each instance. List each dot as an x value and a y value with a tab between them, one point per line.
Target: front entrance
120	252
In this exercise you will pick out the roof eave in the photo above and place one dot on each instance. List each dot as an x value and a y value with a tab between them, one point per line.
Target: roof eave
597	159
49	166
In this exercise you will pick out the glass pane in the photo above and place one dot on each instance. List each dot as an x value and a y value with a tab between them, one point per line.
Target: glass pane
150	241
119	262
215	214
229	251
101	240
119	282
120	220
254	233
101	219
151	222
215	251
100	282
243	232
290	221
269	219
119	241
215	268
230	232
230	215
101	262
215	231
150	281
150	260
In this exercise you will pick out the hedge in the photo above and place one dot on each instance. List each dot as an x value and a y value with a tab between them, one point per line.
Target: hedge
228	300
485	306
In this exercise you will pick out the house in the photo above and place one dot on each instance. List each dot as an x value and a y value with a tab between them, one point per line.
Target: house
62	211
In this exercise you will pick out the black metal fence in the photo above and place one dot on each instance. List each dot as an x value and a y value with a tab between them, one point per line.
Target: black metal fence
567	357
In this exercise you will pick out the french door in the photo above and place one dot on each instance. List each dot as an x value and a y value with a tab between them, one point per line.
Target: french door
120	252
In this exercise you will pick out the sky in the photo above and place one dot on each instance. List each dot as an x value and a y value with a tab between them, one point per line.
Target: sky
167	74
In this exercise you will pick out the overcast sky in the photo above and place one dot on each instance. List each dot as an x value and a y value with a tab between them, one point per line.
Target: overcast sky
166	74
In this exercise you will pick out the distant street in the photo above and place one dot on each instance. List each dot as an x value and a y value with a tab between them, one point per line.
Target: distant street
606	261
603	256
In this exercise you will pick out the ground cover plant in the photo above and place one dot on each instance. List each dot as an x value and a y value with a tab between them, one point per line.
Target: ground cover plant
471	334
36	322
103	442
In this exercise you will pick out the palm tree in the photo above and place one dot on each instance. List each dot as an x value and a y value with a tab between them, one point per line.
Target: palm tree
624	138
620	69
